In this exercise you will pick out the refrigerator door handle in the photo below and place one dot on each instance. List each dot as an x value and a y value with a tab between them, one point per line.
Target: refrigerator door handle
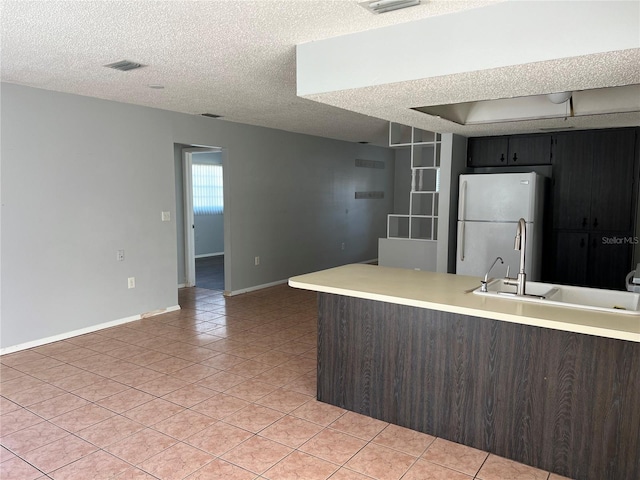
463	202
461	240
461	216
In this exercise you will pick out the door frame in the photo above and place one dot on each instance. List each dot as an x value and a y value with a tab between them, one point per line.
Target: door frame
189	223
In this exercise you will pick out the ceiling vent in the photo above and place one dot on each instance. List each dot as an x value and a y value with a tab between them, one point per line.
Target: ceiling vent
124	65
211	115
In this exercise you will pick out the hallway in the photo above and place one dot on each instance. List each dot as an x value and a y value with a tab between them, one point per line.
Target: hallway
210	273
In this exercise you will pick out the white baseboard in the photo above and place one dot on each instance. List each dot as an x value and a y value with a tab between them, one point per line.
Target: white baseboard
253	289
204	255
228	293
372	261
83	331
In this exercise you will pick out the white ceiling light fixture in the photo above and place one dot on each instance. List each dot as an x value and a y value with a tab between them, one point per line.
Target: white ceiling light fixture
383	6
559	97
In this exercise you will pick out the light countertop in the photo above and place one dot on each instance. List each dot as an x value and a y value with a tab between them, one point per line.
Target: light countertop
451	293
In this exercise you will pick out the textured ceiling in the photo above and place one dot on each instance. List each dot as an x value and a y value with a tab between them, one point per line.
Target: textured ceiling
394	102
231	58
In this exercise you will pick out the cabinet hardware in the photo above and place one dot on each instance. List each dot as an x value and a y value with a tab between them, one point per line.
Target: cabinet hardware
595	222
584	221
502	157
515	157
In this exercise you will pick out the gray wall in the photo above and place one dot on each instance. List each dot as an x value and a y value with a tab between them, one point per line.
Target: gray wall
289	199
208	234
83	177
454	149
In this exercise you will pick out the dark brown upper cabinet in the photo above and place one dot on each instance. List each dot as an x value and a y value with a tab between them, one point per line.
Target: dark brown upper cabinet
593	175
488	151
530	150
572	168
509	151
612	180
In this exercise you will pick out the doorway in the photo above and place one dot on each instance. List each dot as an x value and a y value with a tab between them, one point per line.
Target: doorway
204	215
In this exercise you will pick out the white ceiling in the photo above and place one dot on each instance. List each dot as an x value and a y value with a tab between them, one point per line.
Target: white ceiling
232	58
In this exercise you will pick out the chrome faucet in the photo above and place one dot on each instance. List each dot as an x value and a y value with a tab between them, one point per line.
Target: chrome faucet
486	276
520	244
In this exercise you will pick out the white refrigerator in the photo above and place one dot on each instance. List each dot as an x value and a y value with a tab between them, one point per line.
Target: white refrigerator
489	207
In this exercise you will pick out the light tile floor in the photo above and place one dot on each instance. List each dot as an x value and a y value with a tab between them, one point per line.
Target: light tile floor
222	389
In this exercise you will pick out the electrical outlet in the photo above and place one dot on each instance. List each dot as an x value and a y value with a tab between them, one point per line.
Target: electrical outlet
120	255
342	247
131	282
256	261
166	216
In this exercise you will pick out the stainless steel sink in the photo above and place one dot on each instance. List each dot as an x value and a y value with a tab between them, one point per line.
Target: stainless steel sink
612	301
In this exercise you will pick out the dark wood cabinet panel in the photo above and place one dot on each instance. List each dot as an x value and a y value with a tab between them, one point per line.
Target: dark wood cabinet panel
509	151
594	180
488	151
612	180
571	254
594	197
609	259
572	172
559	401
599	260
529	150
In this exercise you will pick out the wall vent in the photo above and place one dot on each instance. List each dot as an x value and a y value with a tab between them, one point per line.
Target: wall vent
360	162
124	65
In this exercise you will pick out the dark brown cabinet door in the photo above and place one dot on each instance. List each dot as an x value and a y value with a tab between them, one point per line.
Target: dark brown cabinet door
529	150
593	206
488	152
609	260
612	180
571	254
572	173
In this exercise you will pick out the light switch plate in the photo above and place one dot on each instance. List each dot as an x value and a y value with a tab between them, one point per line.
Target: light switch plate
166	216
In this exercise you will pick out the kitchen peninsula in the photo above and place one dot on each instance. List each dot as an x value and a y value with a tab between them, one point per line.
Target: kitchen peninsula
555	388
